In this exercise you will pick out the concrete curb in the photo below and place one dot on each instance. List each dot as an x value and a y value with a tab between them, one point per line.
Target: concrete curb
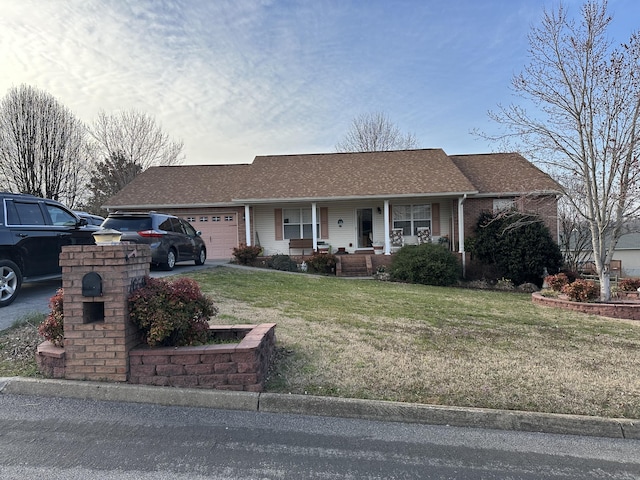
328	406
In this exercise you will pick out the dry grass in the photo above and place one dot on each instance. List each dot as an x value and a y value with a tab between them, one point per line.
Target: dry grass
366	339
378	340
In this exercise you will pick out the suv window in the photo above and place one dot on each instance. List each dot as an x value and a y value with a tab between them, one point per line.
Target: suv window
166	225
131	224
24	213
189	230
60	217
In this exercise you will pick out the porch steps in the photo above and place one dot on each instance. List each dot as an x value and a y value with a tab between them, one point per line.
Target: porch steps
355	265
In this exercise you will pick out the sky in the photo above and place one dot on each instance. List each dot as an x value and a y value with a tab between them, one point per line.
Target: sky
240	78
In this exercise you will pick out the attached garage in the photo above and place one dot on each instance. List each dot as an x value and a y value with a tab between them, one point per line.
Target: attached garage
219	231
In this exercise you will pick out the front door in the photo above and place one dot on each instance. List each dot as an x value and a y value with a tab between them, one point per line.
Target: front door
365	227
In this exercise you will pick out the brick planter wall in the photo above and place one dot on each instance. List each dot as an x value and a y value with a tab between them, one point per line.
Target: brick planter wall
50	360
629	311
232	366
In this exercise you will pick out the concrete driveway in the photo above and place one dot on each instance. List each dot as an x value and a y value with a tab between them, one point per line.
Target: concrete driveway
34	297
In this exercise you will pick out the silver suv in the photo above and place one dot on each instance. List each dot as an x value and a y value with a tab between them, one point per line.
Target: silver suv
171	239
33	231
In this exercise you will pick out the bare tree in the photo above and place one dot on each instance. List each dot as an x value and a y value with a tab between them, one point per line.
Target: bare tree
374	132
585	97
124	145
137	137
42	146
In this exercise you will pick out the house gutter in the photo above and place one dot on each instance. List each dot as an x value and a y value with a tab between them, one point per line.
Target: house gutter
349	198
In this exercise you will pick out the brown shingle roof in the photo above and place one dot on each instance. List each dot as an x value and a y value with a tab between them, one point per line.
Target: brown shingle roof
500	173
181	185
344	175
333	175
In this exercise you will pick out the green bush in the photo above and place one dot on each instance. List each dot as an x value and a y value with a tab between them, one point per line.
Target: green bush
322	263
518	246
246	255
581	291
171	313
428	264
282	262
52	328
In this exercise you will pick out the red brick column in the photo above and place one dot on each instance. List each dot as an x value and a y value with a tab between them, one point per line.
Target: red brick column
97	332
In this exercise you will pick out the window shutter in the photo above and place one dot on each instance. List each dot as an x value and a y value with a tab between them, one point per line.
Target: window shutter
277	213
435	219
324	222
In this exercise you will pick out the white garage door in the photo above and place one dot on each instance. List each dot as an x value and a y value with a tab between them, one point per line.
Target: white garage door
219	232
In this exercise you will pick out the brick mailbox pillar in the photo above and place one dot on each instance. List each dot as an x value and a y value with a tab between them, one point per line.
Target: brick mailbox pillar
97	280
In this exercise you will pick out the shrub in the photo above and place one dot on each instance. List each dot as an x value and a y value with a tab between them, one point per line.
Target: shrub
505	284
581	291
282	262
52	328
556	282
519	246
322	263
428	264
629	284
246	255
171	313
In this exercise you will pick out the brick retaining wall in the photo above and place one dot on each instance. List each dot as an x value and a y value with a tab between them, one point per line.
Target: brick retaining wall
229	366
628	310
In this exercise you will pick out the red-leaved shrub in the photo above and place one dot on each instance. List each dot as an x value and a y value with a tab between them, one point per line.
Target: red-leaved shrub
246	255
556	282
581	291
52	328
629	284
171	313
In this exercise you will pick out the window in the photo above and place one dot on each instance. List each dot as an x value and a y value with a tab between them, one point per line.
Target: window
188	229
297	223
60	216
228	218
24	213
503	204
191	219
204	219
215	218
410	217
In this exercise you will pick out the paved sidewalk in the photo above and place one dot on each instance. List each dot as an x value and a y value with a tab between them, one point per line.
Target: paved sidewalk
328	406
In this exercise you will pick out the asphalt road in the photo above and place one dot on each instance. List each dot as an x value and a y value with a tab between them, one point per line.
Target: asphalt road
34	297
61	438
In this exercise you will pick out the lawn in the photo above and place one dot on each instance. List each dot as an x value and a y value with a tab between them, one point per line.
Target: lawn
448	346
414	343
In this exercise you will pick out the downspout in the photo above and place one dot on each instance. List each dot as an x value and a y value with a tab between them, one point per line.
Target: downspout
247	225
387	240
461	234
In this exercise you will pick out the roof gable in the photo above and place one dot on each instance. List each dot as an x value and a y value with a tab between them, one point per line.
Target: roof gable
504	173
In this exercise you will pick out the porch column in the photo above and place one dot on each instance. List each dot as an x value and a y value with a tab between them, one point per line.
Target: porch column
387	240
314	221
461	233
247	226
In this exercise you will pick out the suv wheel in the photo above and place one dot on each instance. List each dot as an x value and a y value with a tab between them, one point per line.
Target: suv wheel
201	257
170	261
10	282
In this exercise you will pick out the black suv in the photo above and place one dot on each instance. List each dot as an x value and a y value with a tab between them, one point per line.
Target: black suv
171	239
33	231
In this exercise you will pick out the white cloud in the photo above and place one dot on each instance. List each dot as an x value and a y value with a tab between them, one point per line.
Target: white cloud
239	79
